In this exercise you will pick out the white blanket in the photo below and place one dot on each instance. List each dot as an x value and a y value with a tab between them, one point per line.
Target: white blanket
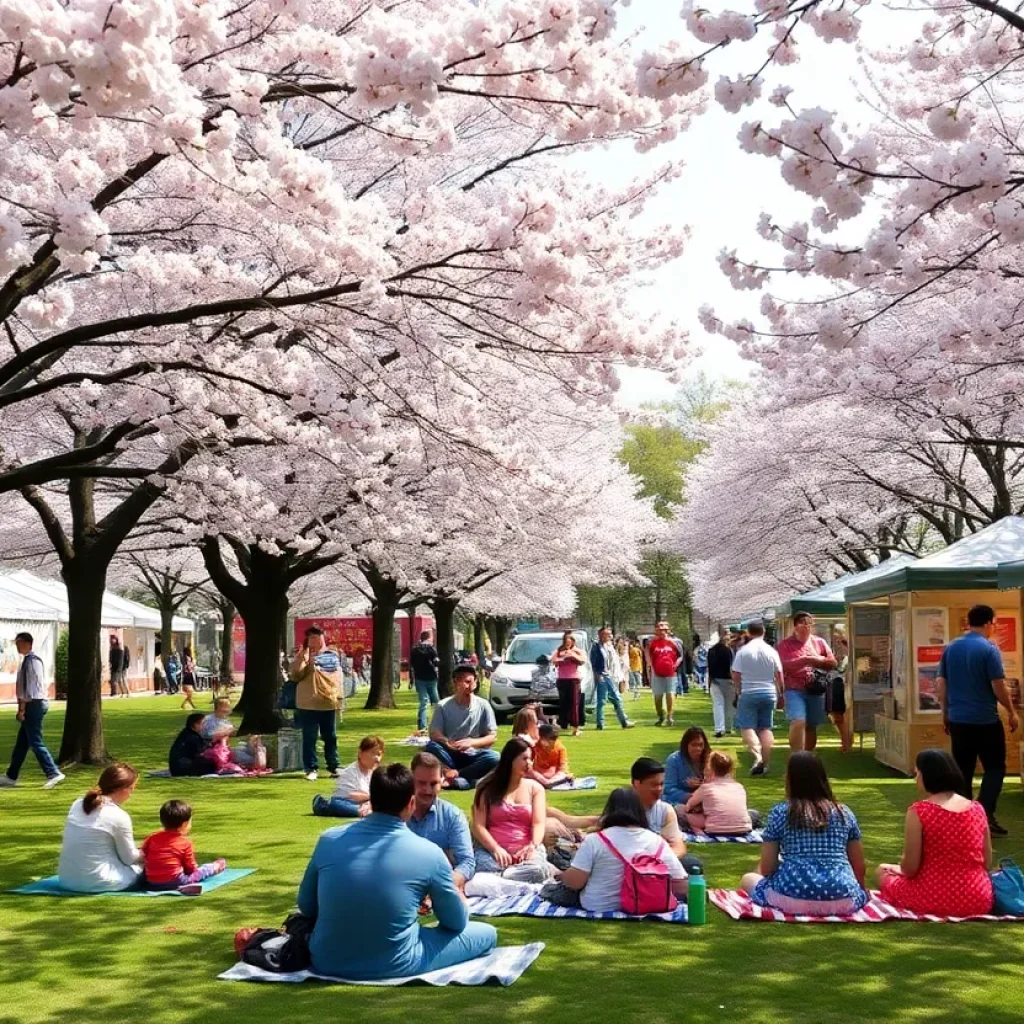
504	965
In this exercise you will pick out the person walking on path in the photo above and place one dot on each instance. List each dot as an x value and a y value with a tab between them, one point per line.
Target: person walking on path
636	668
423	663
32	691
683	668
720	681
802	653
115	662
663	661
604	660
757	673
568	661
971	685
700	661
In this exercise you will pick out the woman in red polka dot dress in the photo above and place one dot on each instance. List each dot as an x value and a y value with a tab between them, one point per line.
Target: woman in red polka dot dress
947	849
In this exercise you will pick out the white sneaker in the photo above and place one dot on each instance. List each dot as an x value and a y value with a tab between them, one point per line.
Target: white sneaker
54	780
6	782
312	776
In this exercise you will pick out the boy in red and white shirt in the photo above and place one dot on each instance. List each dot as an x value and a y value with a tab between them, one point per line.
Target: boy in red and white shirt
663	660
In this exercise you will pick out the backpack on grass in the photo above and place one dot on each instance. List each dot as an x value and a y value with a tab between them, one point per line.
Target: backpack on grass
646	882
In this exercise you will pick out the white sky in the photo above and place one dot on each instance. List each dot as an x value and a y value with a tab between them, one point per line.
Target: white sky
722	190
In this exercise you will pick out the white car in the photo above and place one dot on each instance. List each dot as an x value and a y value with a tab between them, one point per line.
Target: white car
519	678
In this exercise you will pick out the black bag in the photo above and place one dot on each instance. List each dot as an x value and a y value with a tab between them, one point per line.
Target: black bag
818	683
279	953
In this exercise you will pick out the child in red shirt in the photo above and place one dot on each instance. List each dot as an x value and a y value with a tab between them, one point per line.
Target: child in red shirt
168	856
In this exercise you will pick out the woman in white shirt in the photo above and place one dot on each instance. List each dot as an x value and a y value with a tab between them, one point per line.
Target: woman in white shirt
352	790
594	879
98	852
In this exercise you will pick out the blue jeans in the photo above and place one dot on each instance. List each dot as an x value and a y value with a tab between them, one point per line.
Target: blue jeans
756	711
326	724
444	948
607	690
682	684
30	736
471	766
805	707
426	690
335	807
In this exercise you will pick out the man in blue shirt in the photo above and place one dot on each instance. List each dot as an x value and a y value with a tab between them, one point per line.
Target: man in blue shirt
440	822
364	886
971	686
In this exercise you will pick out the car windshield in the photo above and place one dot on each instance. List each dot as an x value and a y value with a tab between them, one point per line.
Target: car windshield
526	649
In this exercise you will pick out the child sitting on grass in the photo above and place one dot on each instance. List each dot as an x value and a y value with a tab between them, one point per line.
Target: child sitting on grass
352	790
550	758
719	805
169	858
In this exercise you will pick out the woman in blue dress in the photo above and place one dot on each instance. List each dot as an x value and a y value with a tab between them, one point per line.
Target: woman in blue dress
812	859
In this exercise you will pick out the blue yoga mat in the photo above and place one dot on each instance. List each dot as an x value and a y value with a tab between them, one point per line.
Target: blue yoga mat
51	886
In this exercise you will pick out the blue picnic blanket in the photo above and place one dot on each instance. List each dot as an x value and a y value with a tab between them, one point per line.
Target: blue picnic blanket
51	886
587	782
703	837
529	904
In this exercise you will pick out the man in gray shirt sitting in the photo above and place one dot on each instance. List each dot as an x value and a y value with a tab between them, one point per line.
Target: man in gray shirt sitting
32	690
463	731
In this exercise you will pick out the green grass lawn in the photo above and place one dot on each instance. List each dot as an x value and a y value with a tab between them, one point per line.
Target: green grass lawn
132	960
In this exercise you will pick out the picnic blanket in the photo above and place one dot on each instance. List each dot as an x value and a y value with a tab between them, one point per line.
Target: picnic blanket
249	773
504	965
587	782
738	905
414	741
529	904
703	837
51	886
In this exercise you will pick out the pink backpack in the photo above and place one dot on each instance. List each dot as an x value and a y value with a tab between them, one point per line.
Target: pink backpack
646	883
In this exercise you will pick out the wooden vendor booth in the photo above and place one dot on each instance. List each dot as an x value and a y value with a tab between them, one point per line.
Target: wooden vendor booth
927	603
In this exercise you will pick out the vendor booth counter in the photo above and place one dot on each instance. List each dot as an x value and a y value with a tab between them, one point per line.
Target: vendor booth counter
924	606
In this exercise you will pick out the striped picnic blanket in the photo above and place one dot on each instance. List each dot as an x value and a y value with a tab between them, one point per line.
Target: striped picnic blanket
531	905
738	905
703	837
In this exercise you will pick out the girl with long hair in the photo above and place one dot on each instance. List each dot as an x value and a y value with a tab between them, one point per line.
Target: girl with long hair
812	859
509	815
686	768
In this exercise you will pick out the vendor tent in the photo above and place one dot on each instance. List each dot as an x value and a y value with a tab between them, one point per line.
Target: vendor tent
830	598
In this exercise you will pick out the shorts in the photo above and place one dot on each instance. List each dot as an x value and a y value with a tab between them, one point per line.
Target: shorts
809	708
755	711
661	686
837	697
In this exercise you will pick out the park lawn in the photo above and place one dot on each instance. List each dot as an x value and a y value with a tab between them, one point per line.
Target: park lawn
111	960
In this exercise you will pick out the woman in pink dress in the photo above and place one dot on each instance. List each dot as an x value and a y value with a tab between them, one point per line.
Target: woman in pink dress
947	848
568	661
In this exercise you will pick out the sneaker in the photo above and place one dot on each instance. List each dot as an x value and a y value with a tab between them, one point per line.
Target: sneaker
193	889
628	724
996	829
312	776
671	720
461	783
54	780
719	735
335	773
319	803
660	721
759	769
599	728
6	782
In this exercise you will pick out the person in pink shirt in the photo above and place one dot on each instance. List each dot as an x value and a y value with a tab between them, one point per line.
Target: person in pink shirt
719	805
801	653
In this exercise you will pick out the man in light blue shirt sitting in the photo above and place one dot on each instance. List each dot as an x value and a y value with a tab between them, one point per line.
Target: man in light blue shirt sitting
440	822
364	886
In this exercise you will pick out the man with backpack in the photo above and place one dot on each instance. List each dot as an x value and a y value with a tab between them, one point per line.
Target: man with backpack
423	663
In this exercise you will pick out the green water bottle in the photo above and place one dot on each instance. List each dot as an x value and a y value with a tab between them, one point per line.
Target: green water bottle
697	897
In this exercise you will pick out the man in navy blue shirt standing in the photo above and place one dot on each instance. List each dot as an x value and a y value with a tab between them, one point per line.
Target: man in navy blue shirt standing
971	686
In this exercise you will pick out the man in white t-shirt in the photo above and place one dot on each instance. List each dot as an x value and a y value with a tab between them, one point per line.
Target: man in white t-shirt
757	673
596	872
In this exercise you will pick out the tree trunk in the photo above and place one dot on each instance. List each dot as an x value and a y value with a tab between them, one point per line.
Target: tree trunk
258	702
502	626
166	631
444	617
385	604
479	628
83	722
227	641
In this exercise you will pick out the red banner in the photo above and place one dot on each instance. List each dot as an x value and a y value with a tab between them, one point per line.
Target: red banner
353	636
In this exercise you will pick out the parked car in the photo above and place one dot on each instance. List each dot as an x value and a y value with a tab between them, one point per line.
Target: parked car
526	674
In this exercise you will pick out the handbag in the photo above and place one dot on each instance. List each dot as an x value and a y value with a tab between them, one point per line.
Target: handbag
1008	888
817	685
